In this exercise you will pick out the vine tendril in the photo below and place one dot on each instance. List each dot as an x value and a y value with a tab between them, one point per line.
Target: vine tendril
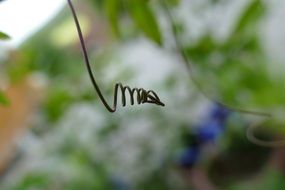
143	96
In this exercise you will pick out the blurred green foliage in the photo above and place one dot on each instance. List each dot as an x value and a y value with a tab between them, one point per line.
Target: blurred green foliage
235	68
3	99
239	69
139	11
4	36
144	19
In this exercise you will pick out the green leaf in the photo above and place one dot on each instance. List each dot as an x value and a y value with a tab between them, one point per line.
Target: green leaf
97	3
173	2
4	36
58	100
145	20
251	14
3	99
112	8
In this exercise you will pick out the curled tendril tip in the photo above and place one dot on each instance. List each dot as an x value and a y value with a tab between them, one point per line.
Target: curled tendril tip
143	96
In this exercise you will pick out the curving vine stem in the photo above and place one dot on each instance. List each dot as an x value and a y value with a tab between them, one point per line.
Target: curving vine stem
143	96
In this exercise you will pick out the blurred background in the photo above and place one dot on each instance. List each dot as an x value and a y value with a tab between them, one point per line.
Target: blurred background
56	134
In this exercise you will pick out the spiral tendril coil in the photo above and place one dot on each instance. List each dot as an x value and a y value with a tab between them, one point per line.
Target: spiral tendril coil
143	96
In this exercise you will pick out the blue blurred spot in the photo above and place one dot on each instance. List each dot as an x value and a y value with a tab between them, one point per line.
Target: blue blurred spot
189	157
208	132
219	113
119	184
